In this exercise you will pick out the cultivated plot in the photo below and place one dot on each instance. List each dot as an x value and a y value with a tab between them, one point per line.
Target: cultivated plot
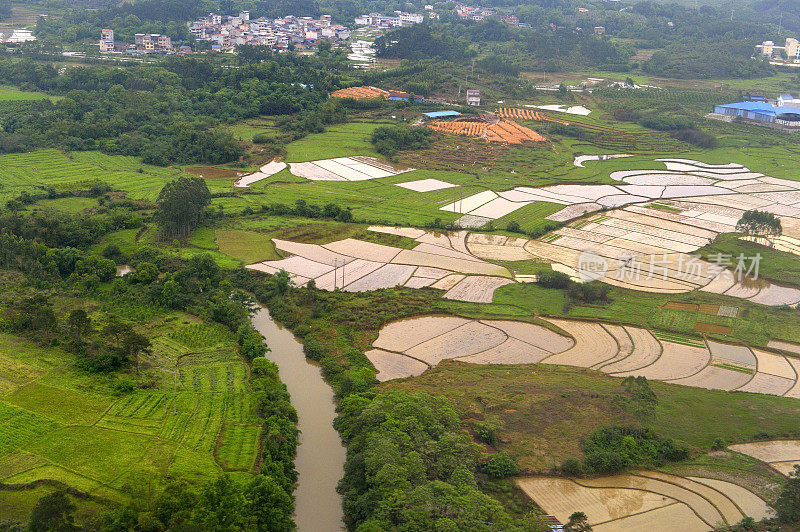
439	260
345	169
782	455
645	501
613	349
268	170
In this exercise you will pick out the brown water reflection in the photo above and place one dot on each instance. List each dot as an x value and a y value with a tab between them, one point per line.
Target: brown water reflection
321	455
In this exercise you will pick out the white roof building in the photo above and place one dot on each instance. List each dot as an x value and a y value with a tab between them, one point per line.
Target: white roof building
20	36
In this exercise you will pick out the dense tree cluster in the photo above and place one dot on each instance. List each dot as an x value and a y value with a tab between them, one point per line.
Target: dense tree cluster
759	224
166	114
612	449
181	206
693	62
411	467
388	140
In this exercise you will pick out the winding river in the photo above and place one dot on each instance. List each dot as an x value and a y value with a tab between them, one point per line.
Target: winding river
320	455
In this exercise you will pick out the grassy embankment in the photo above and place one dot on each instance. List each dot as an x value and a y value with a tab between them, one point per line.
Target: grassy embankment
546	411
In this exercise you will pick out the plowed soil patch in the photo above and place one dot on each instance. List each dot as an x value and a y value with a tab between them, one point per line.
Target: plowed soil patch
711	328
674	305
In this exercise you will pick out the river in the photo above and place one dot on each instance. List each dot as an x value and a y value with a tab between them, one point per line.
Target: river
320	455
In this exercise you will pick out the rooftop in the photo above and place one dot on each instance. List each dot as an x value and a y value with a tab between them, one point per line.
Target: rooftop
441	114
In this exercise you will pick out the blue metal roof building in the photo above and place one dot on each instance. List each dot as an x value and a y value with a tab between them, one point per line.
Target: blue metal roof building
751	110
761	111
442	114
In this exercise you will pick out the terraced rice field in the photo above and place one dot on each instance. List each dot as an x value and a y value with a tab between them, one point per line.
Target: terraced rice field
343	169
41	168
781	455
646	501
645	242
615	350
439	260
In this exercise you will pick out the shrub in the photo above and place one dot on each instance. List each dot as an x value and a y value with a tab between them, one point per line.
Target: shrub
113	252
501	465
313	349
606	462
590	293
571	467
788	503
486	431
388	140
552	279
626	115
695	137
513	227
666	123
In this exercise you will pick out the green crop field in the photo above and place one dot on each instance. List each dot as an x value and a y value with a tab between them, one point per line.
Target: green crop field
245	131
247	246
13	94
34	171
341	140
59	423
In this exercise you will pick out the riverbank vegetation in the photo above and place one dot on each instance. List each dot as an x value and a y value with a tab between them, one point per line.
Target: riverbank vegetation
166	404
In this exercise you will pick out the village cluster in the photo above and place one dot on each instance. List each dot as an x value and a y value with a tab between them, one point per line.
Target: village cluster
225	32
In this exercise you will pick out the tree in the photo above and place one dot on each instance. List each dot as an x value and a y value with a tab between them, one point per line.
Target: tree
220	505
116	328
133	345
52	513
759	224
578	522
79	324
181	206
146	272
32	314
269	506
788	503
283	282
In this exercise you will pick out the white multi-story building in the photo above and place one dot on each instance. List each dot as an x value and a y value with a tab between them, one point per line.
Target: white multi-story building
380	21
411	18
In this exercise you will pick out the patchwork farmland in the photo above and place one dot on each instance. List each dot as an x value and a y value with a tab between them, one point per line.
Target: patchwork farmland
409	347
645	499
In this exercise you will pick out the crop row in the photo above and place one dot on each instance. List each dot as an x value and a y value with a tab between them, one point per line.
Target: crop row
237	447
199	335
19	427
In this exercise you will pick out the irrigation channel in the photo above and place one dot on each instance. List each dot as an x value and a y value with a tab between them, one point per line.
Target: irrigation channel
320	455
